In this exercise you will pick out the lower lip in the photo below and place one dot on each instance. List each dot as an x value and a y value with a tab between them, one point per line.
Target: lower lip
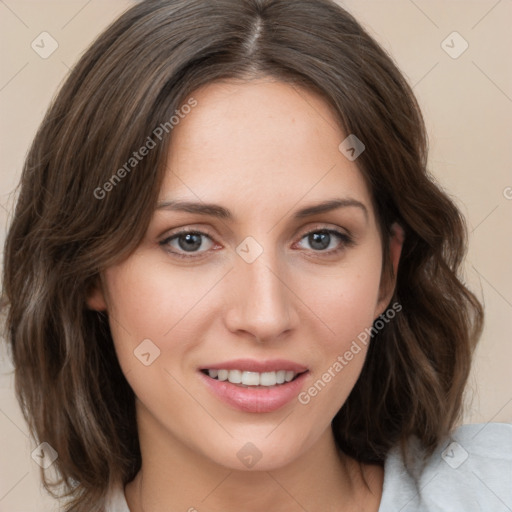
255	398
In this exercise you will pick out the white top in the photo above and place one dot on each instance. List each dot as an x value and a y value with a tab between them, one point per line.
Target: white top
470	472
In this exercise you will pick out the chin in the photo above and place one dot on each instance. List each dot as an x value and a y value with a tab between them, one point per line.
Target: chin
257	453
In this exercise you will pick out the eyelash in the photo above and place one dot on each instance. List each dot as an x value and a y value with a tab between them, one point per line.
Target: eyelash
346	241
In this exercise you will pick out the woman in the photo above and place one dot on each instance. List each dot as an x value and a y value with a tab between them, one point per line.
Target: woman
232	282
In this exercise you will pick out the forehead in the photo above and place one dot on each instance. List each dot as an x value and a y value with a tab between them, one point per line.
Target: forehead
261	141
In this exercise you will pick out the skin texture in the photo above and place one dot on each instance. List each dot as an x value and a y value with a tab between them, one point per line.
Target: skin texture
262	149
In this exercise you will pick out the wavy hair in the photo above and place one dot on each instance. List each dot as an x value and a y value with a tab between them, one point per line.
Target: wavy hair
134	78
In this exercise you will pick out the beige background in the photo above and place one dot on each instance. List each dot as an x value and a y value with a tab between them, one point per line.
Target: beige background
467	103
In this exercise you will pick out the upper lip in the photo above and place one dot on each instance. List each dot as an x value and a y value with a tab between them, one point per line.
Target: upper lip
253	365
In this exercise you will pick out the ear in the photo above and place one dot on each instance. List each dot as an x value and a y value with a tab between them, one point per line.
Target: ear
95	296
396	242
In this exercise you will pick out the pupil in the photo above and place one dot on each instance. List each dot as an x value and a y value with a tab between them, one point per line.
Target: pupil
319	240
190	242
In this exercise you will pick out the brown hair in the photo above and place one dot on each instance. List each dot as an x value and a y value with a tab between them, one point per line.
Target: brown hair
64	232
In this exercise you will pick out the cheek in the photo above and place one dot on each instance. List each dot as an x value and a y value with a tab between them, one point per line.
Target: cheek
151	310
346	301
348	311
146	298
151	300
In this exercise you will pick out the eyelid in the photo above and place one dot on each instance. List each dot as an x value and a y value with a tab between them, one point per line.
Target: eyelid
326	226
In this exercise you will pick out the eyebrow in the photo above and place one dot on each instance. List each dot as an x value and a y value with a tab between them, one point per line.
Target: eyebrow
215	210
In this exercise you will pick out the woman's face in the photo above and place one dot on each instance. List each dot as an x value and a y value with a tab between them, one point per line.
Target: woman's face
270	287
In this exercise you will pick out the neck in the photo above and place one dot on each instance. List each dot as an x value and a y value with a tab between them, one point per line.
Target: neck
174	477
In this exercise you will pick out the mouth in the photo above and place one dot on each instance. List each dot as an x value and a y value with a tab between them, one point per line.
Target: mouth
247	379
244	388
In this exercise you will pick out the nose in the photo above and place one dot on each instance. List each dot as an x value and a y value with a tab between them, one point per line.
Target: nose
261	303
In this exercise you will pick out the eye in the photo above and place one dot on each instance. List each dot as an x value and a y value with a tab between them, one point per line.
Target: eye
327	241
186	242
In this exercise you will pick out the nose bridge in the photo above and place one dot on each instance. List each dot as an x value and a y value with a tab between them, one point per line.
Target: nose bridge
262	302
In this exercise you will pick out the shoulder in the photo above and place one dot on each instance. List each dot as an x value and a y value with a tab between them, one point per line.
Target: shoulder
116	502
471	470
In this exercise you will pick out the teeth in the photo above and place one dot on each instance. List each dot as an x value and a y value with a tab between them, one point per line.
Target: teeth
235	377
248	378
268	379
253	378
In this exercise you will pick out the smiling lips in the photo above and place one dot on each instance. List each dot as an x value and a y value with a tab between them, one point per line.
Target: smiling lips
255	386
